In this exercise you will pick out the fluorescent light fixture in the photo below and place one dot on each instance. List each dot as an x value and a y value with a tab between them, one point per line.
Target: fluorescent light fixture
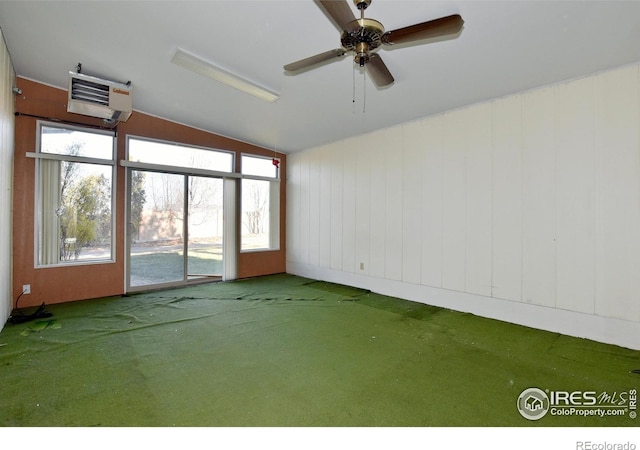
205	68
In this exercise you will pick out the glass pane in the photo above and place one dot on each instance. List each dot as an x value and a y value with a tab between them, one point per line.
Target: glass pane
156	228
70	142
262	167
76	212
205	227
255	214
175	155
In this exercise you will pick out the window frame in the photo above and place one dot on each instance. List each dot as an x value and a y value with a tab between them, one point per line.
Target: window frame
274	206
39	156
176	168
230	183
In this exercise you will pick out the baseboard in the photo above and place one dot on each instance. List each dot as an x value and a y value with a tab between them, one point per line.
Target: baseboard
589	326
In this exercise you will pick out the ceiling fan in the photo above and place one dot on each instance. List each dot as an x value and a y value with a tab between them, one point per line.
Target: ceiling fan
364	36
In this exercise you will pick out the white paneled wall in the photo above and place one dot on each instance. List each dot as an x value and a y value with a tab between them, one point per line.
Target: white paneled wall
506	279
7	79
576	213
617	192
412	173
429	195
479	216
539	195
525	208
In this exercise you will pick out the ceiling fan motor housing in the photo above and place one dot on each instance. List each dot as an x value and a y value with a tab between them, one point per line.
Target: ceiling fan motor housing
365	37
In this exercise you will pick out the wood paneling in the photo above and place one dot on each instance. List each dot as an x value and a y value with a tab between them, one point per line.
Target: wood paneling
412	169
60	284
539	198
325	209
349	184
294	184
575	157
531	198
431	196
479	202
377	204
363	210
454	237
618	187
391	164
314	207
507	198
337	195
7	79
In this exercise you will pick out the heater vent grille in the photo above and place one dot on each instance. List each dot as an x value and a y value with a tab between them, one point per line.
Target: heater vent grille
91	96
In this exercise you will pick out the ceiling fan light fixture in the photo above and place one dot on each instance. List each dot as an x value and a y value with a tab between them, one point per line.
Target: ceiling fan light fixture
210	70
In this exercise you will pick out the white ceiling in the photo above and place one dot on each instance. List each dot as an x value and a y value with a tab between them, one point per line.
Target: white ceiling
505	47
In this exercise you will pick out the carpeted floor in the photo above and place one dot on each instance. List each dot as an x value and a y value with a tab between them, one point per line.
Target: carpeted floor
289	351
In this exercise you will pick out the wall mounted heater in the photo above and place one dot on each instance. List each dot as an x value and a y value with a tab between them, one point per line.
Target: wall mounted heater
95	97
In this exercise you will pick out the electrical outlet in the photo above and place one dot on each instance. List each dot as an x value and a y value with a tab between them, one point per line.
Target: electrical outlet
26	289
361	266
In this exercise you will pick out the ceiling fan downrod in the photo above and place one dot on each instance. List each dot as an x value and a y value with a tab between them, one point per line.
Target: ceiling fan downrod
361	54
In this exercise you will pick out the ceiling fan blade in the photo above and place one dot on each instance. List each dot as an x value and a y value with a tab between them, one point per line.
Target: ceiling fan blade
307	63
378	71
433	28
340	14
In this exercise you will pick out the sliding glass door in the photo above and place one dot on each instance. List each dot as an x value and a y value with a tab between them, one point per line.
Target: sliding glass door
175	229
204	227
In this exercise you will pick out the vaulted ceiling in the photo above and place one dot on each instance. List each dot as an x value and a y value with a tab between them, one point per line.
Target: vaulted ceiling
505	47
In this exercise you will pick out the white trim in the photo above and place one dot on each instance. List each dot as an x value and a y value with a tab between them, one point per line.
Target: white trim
228	269
75	159
127	230
619	332
256	177
229	233
178	170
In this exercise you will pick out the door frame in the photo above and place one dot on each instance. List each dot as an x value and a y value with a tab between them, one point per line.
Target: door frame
229	233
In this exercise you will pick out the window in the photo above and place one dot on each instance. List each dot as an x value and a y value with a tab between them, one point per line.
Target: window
178	156
260	204
75	170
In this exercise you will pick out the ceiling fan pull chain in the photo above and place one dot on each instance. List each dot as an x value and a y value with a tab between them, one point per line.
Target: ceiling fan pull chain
353	100
364	91
353	72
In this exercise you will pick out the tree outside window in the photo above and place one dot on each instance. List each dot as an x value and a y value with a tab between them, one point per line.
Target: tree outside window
75	195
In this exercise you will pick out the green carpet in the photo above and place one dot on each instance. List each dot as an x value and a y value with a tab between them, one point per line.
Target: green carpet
289	351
